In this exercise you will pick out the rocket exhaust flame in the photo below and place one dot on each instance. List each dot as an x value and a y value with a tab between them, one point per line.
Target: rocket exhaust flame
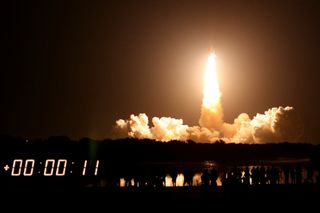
211	110
211	91
277	124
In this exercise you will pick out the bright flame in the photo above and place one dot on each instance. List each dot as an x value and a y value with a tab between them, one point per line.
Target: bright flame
211	91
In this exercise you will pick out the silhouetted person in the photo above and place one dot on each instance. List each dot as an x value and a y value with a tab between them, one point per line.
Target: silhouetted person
274	176
214	177
205	178
262	175
159	180
188	177
298	175
309	174
293	176
174	178
246	178
286	175
238	175
254	176
225	179
268	175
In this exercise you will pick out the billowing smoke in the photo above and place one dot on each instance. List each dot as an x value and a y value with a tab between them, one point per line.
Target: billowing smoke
277	124
162	129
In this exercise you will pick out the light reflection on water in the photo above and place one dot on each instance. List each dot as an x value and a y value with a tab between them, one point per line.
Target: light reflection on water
196	179
122	182
168	181
249	175
180	180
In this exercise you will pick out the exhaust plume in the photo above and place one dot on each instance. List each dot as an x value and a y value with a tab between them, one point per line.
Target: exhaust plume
211	109
277	124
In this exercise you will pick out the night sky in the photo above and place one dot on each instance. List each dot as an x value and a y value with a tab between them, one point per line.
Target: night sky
73	68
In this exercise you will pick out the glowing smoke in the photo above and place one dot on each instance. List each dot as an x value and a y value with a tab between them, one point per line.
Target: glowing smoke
277	124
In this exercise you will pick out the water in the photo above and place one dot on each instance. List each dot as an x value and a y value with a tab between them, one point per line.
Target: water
210	173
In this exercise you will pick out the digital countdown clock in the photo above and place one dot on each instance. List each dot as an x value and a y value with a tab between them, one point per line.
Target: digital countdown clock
51	167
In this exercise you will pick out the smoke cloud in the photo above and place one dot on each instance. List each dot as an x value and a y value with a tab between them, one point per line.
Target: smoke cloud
277	124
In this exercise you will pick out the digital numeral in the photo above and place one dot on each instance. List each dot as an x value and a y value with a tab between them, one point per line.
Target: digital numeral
17	167
96	169
64	166
16	171
29	162
84	168
49	167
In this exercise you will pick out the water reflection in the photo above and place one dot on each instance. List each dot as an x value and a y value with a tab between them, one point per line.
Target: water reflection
122	182
196	180
168	181
180	180
212	175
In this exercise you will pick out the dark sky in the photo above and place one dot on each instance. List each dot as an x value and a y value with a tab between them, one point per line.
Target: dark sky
73	68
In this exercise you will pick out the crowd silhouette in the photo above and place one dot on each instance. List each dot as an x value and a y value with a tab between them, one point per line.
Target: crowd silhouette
225	177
